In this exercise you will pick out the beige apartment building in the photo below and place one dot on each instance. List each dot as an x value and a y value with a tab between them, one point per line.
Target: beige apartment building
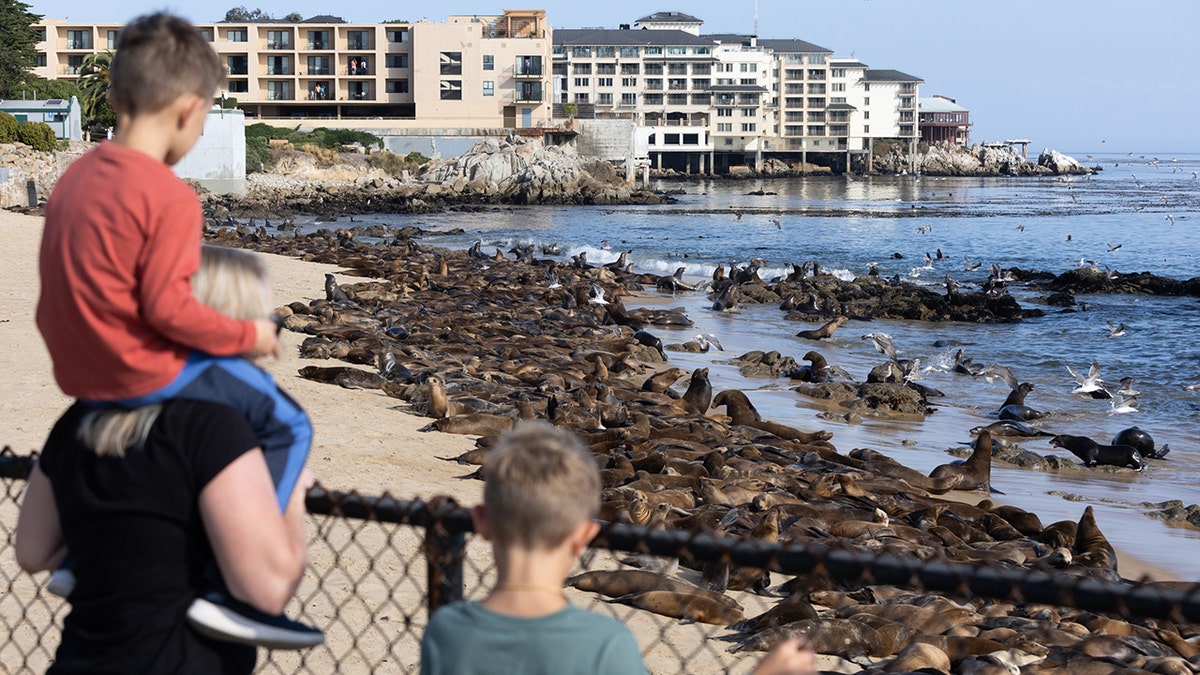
467	72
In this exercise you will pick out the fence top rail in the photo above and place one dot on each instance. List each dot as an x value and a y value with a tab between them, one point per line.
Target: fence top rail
1175	601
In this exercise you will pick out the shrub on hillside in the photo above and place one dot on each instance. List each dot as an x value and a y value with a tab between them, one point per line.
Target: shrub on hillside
394	164
37	135
8	128
325	156
258	154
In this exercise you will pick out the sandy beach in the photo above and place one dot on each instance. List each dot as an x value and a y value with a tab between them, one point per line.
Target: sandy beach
365	441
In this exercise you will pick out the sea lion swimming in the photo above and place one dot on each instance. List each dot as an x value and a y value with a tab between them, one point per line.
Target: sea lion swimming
1142	442
1020	413
1010	428
1092	453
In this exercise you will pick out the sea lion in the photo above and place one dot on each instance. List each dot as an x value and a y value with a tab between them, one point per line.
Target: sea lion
1020	413
661	381
843	637
1092	453
650	340
439	404
742	411
976	472
343	376
1142	442
333	292
1091	547
1017	395
473	424
692	605
825	331
1010	428
816	371
698	396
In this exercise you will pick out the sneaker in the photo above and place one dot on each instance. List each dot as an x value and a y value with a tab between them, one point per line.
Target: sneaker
61	582
220	617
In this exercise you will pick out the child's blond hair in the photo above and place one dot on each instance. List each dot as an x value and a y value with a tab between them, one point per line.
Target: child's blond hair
541	485
231	281
159	58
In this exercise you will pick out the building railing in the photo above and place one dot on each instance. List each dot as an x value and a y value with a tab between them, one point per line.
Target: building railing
380	565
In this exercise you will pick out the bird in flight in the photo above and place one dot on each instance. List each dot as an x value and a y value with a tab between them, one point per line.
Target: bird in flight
778	225
1115	331
1170	218
1089	383
1112	248
883	343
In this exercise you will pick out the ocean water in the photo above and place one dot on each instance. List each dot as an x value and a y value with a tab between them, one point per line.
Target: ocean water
1140	213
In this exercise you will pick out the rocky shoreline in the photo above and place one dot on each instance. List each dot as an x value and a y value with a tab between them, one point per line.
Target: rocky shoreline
479	342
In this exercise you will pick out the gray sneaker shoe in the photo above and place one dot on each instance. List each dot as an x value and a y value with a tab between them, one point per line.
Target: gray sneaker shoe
220	617
61	582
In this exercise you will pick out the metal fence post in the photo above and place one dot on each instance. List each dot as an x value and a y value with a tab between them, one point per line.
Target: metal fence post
445	551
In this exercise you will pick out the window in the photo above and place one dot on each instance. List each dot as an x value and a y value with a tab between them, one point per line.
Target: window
279	39
629	69
724	126
358	39
581	98
112	39
279	65
451	64
654	69
604	82
319	39
866	128
629	52
654	83
451	90
489	88
205	34
837	72
360	91
357	66
649	51
701	68
238	35
837	99
670	139
816	74
628	99
489	62
866	114
560	50
816	59
816	88
725	67
677	84
318	65
397	60
604	99
748	81
748	126
867	100
559	69
749	67
677	99
582	82
606	69
728	141
749	112
606	52
816	130
581	52
676	49
581	68
41	34
79	39
279	91
652	99
320	91
40	61
816	116
724	112
397	86
816	103
677	69
238	65
397	36
238	86
529	66
866	86
701	83
702	50
628	81
837	86
74	64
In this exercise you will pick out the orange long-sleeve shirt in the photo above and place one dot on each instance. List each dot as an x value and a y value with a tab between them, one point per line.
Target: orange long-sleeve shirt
120	245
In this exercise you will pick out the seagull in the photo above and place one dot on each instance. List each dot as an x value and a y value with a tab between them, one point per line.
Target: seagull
1127	388
928	261
1169	218
992	372
1087	384
706	339
737	215
1122	404
597	295
1115	331
883	344
1112	248
970	267
1193	175
1021	228
552	279
778	225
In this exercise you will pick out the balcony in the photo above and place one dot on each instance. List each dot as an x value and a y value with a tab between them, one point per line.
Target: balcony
79	44
278	45
273	95
529	66
529	92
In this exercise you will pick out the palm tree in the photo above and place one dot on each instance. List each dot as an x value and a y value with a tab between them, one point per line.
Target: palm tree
93	84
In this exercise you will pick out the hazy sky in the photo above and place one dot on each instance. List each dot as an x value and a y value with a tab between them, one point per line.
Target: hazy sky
1074	75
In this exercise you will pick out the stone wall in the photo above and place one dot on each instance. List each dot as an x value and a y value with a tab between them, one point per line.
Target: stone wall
27	175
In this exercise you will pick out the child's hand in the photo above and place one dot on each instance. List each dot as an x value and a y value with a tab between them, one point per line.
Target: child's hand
266	342
790	657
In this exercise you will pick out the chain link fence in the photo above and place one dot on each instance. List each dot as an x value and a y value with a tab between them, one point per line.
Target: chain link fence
379	565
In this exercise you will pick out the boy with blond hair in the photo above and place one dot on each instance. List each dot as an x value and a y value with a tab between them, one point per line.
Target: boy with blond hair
540	500
120	245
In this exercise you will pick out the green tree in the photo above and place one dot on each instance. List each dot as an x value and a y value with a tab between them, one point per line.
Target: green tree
240	14
294	17
17	44
93	86
44	89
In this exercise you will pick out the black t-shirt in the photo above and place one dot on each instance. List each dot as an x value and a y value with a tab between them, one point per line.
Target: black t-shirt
137	543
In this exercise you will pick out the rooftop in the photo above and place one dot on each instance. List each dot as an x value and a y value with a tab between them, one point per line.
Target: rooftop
36	105
793	46
619	37
669	17
939	104
885	75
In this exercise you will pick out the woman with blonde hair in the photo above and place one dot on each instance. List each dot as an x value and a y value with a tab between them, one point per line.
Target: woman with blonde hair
147	499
